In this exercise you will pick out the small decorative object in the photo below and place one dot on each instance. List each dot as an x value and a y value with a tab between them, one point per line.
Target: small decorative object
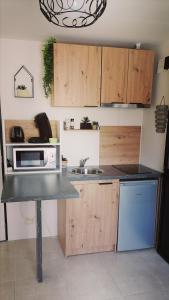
85	123
72	13
138	46
71	123
95	125
53	140
66	124
48	66
64	162
161	114
23	83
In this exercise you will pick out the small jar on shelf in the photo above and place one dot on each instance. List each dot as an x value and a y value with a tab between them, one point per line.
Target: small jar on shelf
72	124
64	162
66	124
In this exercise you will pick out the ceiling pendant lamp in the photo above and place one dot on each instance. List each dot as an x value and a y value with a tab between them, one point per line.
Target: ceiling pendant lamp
72	13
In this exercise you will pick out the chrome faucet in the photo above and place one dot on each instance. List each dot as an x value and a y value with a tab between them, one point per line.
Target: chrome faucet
83	161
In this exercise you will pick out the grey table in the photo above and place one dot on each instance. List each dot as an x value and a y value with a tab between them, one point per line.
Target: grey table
37	187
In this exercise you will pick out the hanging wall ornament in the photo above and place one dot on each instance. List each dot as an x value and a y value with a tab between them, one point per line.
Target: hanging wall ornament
23	83
161	114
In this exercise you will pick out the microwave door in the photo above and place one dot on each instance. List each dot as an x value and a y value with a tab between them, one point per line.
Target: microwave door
29	159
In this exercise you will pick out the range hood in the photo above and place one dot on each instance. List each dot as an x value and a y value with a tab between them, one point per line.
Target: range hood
125	105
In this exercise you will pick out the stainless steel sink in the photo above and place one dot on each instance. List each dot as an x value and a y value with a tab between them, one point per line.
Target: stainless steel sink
87	171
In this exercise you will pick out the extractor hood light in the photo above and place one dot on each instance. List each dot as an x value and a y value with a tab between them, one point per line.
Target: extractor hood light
72	13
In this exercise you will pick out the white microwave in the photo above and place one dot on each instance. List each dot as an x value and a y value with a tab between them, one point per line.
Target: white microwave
34	158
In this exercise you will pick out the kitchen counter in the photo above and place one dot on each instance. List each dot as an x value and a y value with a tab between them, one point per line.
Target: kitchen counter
34	187
52	186
109	173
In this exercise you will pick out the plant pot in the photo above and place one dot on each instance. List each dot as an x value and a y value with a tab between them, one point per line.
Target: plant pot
94	127
22	93
85	126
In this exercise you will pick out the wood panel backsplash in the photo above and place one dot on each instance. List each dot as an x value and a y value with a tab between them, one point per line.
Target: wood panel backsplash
119	145
28	127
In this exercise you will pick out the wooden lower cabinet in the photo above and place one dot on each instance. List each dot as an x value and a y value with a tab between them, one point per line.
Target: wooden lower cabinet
89	224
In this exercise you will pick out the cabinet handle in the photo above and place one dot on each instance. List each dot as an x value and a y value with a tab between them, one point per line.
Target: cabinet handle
90	106
105	183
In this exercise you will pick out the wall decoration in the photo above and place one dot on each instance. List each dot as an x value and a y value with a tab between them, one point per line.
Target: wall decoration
161	114
23	83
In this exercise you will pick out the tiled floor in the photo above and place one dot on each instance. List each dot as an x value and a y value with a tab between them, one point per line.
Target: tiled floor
139	275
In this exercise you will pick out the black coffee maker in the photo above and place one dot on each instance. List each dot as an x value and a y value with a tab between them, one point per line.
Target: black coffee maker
45	132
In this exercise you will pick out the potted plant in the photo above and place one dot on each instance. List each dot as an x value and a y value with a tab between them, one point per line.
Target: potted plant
48	66
85	123
22	91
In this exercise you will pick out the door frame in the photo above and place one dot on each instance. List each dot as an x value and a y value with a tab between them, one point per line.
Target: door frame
2	162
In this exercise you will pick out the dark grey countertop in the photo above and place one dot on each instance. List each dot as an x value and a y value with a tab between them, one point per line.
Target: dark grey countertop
110	172
33	187
57	186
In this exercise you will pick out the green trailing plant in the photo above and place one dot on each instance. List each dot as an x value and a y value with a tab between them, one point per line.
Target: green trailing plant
48	65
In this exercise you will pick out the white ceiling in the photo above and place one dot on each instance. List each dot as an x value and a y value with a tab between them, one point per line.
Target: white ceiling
123	23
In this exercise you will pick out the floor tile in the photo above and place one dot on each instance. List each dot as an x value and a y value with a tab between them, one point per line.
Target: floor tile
138	282
158	295
25	290
7	267
7	290
51	245
25	248
49	289
92	284
25	268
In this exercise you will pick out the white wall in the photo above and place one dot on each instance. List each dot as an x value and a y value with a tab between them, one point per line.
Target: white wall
75	145
2	224
153	144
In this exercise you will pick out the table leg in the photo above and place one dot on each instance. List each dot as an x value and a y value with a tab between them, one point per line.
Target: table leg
39	241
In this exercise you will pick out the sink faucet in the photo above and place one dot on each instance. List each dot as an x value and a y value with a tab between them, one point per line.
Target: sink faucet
83	161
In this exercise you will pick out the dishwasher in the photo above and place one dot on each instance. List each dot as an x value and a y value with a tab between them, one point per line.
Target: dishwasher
137	215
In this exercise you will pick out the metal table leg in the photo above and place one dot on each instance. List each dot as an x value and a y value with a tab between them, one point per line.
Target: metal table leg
39	241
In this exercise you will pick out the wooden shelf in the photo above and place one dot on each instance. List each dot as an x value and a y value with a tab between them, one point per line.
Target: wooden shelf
33	172
81	129
31	144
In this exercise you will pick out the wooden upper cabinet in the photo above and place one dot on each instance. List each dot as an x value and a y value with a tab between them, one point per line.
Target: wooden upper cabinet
140	76
77	73
83	74
114	75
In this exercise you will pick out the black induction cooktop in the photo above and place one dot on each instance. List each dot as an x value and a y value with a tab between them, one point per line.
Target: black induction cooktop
132	169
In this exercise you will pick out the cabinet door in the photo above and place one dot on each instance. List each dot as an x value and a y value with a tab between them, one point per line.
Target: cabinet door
92	220
77	73
140	76
114	75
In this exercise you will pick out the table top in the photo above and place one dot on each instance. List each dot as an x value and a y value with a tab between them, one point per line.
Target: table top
34	187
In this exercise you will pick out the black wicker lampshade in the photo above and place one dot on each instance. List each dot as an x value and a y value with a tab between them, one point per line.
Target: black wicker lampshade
72	13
